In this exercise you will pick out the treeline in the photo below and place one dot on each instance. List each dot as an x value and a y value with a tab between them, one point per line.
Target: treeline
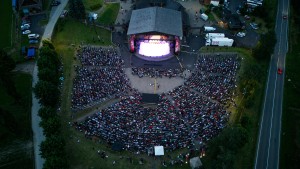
47	91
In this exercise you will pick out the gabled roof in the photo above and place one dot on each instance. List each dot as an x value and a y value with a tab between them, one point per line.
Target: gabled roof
155	19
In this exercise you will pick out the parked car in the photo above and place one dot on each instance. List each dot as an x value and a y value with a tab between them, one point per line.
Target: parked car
26	32
247	17
33	41
254	25
25	26
64	13
55	3
33	36
241	34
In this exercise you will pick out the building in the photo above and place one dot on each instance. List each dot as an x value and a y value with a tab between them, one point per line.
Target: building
154	33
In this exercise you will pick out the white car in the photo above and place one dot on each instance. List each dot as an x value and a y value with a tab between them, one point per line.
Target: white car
26	32
25	26
33	36
241	34
254	25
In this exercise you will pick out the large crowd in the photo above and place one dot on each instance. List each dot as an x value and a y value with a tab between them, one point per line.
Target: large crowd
187	115
99	78
154	72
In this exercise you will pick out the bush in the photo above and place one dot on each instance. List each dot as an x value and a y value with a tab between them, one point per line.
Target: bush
47	92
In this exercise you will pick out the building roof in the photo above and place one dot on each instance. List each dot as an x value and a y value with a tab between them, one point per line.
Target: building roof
155	19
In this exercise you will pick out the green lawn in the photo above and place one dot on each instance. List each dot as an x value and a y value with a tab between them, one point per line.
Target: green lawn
6	22
110	14
290	138
15	127
92	5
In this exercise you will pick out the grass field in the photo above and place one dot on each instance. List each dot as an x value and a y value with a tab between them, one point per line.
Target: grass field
15	128
5	19
92	5
290	139
110	14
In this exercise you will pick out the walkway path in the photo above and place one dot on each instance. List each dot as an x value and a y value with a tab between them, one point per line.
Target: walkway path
38	135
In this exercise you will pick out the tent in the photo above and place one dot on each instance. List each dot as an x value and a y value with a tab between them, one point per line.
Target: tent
159	150
195	162
30	52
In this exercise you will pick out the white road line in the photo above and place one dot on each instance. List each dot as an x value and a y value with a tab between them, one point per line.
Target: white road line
270	134
261	124
287	25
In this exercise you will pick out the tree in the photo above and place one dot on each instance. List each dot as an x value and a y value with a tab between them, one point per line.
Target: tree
54	162
53	146
47	92
7	64
46	112
77	9
51	126
48	43
48	75
49	56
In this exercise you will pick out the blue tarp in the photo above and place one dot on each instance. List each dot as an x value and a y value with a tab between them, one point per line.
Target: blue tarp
30	52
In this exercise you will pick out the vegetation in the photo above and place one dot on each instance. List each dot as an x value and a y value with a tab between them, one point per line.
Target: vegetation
265	46
110	14
5	19
267	12
46	90
77	9
93	5
290	139
15	107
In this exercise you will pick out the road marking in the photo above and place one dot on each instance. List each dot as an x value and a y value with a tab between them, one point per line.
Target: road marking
270	134
261	124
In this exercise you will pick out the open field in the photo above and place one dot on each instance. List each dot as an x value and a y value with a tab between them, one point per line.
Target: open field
290	138
16	135
5	19
109	14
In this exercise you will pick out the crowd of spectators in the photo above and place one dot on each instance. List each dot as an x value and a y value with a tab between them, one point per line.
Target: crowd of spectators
99	56
154	72
215	77
190	114
100	77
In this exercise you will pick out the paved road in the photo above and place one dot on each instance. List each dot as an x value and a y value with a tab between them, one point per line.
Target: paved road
38	135
268	149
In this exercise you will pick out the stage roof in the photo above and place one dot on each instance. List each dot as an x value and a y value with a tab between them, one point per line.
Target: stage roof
155	19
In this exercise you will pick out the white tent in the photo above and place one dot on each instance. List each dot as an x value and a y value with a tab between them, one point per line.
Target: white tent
159	150
195	162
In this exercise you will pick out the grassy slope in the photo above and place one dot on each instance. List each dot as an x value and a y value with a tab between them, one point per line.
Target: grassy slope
89	3
290	140
110	14
6	21
22	114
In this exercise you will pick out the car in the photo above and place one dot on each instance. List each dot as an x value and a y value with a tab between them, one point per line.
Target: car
241	34
55	3
33	36
284	16
33	41
254	25
64	14
279	71
247	17
26	32
25	26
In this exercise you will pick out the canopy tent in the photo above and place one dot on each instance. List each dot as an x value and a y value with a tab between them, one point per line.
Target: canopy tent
159	150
